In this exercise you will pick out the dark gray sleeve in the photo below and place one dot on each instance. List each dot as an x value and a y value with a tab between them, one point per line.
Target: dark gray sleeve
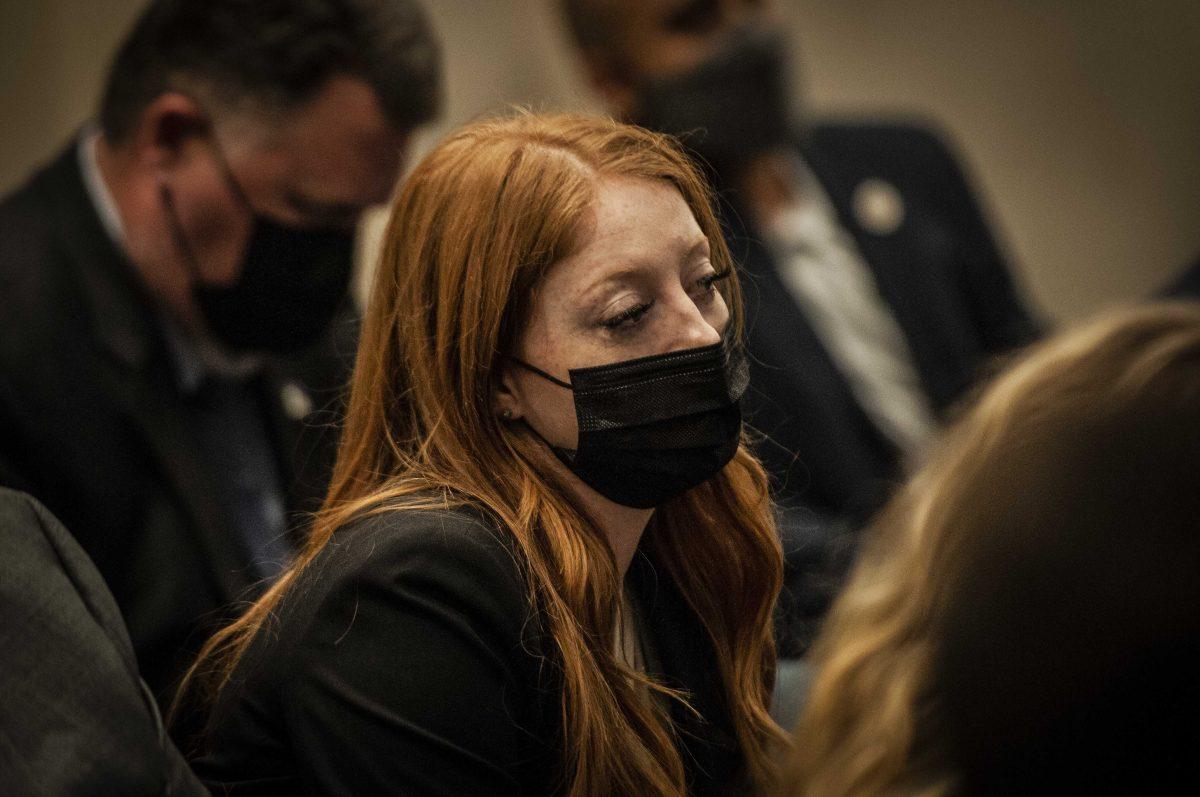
75	717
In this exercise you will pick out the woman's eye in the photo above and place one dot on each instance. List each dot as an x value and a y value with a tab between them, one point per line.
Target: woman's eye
627	318
708	283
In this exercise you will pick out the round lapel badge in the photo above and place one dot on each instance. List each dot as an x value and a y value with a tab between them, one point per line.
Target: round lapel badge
878	206
297	404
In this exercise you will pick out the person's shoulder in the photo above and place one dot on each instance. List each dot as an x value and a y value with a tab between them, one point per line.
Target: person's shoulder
40	294
17	509
906	140
27	213
1185	284
453	551
404	576
23	519
43	559
453	530
28	198
25	529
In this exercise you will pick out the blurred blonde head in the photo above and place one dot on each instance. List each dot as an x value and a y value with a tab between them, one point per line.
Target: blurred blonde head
1048	547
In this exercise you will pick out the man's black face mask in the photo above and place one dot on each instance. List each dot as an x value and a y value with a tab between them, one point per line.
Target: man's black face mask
292	280
731	106
655	427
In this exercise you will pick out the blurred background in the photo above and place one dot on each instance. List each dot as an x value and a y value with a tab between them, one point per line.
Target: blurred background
1079	119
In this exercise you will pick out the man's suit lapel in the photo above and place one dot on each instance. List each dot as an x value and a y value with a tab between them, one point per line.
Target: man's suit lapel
784	344
289	414
912	294
132	370
304	398
163	424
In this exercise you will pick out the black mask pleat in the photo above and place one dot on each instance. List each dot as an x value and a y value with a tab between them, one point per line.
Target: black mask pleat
655	427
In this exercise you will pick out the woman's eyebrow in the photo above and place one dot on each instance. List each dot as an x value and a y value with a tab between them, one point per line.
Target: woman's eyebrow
622	274
630	273
698	246
697	250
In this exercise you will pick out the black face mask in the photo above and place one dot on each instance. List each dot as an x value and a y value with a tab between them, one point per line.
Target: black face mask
291	284
653	428
731	106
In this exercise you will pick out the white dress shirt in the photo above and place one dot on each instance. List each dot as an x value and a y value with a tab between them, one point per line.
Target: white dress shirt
822	269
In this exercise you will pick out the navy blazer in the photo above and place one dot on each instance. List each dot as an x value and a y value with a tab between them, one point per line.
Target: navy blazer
950	290
93	424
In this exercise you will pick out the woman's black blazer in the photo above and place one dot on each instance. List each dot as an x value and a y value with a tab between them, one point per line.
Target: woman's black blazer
407	659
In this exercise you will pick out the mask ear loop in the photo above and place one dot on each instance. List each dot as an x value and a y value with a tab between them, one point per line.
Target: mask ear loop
189	254
541	373
235	185
558	451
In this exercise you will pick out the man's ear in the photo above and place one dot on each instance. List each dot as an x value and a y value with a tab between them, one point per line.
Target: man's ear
611	81
165	126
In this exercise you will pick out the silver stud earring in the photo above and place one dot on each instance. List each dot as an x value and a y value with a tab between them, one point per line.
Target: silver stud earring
507	415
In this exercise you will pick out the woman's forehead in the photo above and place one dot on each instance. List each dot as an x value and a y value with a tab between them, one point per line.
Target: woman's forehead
635	225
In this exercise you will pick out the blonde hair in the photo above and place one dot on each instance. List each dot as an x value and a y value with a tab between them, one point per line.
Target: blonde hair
1029	474
476	225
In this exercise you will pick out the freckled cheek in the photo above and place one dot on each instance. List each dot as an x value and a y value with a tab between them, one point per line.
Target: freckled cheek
567	426
552	413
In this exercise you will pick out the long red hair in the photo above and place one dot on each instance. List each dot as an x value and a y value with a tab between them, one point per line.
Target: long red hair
475	226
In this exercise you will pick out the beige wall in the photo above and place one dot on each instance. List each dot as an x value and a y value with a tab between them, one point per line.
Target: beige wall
53	56
1080	119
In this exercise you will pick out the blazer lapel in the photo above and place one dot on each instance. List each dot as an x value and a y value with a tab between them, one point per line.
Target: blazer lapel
289	406
163	423
686	661
785	347
132	369
304	396
903	262
782	333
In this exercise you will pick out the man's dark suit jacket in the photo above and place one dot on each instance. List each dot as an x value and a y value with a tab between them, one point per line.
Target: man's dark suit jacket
93	425
945	281
409	659
75	718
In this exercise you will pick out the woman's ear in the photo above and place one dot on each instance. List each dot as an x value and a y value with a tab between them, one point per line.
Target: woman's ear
506	401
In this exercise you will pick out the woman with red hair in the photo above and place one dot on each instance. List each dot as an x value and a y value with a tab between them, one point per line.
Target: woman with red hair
547	562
